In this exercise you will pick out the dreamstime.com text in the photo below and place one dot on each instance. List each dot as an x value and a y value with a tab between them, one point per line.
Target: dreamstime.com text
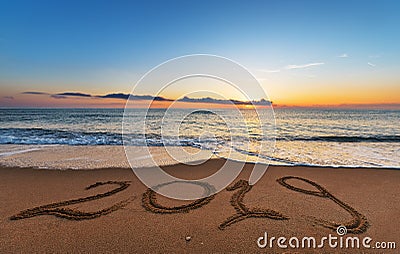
340	241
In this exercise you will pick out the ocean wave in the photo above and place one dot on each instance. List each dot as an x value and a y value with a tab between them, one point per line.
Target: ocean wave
41	136
67	137
345	139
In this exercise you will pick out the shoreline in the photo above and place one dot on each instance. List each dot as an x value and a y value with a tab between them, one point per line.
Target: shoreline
6	167
85	157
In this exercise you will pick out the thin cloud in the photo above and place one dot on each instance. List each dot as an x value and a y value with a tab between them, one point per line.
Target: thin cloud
269	71
371	64
59	95
221	101
294	66
124	96
344	55
74	94
8	97
35	93
56	96
114	96
132	97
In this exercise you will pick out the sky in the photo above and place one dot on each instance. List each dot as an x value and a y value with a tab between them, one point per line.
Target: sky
303	53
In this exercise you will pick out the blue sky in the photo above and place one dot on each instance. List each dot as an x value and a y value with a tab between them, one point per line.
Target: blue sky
106	46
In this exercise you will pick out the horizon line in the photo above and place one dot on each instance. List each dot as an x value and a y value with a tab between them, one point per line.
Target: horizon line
394	106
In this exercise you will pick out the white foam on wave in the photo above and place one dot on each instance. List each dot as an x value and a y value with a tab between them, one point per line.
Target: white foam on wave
286	153
12	151
87	157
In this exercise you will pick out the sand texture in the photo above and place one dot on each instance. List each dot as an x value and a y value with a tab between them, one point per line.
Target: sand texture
110	210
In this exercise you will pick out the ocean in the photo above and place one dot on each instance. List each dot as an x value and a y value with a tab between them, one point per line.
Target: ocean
314	137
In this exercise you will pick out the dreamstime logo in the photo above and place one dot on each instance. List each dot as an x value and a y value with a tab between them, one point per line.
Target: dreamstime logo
341	230
157	129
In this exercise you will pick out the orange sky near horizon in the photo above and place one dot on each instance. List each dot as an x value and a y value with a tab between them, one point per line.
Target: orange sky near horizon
340	97
285	90
330	99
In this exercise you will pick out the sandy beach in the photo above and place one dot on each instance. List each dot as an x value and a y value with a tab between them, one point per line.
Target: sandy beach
46	210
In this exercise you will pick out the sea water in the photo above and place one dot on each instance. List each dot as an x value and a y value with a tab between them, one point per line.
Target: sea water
312	136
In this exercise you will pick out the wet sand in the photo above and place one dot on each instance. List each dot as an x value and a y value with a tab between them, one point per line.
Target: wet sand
110	210
87	157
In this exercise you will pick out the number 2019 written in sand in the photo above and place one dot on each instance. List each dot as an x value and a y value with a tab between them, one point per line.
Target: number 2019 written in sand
358	223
